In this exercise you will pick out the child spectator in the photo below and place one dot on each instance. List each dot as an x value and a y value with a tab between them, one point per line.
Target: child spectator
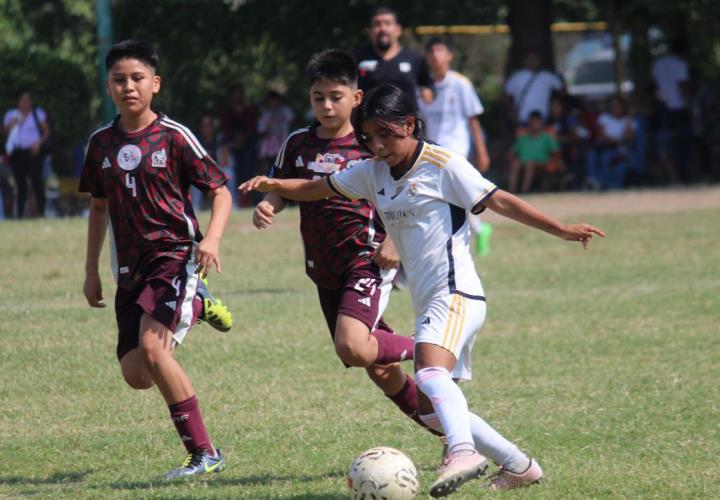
608	160
534	149
273	127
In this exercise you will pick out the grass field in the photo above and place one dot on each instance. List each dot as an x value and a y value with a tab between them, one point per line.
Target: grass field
604	365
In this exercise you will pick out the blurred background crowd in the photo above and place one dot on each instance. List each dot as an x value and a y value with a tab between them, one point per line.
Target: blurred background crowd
562	95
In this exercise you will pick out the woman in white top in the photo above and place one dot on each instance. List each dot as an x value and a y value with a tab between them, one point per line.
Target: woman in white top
26	128
423	194
607	162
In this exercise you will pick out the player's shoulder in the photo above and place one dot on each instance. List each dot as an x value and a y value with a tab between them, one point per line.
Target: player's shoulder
298	136
437	156
460	78
173	128
101	132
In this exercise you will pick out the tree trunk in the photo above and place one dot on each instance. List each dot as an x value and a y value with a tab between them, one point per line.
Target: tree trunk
530	22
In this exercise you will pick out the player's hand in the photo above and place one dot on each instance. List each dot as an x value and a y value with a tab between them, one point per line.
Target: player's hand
263	215
427	95
260	183
482	162
386	255
207	255
92	289
580	232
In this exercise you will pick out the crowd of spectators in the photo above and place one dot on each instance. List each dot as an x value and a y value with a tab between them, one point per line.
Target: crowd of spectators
556	141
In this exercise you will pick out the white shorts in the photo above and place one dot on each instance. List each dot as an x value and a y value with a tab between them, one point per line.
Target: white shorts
451	322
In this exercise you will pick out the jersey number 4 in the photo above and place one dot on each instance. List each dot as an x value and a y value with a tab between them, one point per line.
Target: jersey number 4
131	184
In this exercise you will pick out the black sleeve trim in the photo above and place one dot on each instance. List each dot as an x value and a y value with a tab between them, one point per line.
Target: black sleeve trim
480	205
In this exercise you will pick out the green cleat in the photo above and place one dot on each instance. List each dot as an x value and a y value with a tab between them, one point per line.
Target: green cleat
215	313
482	240
197	462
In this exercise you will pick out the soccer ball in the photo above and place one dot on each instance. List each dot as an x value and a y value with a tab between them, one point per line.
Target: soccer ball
383	474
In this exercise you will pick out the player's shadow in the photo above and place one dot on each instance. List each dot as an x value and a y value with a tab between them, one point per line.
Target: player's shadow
256	480
259	291
57	478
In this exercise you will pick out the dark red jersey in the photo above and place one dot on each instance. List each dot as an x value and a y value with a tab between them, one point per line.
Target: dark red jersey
339	235
145	177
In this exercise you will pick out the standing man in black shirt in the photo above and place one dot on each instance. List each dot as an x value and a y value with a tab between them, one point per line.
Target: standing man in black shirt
386	61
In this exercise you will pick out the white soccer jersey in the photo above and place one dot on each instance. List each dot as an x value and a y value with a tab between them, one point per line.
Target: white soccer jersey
447	117
425	214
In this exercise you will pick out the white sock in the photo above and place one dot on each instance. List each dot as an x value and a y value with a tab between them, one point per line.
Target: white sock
490	443
449	403
476	224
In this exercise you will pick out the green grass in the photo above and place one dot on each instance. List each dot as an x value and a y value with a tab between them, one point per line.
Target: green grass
603	364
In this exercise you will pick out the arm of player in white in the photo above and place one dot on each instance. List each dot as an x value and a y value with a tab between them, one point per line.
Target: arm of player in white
292	189
511	206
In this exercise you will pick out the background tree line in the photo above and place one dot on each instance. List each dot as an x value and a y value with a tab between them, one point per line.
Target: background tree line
205	46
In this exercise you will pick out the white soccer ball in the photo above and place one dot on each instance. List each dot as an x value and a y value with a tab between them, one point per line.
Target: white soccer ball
383	474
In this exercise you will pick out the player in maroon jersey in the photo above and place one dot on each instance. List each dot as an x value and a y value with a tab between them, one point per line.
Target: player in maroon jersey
138	170
346	252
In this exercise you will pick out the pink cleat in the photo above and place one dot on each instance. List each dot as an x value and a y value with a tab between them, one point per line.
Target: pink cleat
505	480
457	468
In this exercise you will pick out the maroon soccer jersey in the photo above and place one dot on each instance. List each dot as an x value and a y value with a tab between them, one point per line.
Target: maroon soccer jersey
145	177
339	235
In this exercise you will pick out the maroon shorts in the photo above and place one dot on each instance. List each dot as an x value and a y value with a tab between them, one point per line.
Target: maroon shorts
167	294
363	296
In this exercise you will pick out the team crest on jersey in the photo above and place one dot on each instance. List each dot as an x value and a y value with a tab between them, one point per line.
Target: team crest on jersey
129	157
327	163
106	163
159	159
412	190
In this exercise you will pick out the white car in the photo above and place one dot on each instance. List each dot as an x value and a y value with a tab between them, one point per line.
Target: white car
593	77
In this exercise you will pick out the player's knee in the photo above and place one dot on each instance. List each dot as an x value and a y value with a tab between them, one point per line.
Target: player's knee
353	353
137	379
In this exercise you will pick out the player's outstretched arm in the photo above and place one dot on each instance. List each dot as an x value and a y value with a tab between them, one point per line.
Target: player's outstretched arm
97	227
265	211
511	206
208	250
292	189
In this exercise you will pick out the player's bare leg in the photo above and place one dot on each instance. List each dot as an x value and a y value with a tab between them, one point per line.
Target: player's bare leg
156	350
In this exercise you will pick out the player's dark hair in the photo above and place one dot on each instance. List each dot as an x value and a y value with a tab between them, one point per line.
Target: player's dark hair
390	107
133	48
335	65
436	40
383	10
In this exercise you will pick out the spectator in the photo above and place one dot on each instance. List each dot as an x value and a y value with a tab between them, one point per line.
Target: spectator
670	73
239	126
386	61
534	149
27	130
451	121
608	160
530	89
212	141
571	135
273	127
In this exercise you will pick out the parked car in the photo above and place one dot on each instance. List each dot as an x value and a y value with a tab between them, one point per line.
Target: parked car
593	77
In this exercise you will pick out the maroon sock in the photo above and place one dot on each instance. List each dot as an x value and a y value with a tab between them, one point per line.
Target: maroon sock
392	348
406	400
190	426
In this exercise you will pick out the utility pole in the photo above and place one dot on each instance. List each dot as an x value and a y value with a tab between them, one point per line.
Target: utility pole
103	15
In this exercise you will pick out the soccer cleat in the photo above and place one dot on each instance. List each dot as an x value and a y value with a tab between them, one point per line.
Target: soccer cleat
503	479
198	462
214	313
482	240
457	468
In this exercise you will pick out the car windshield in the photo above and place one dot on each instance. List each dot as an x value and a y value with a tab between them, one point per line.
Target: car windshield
597	72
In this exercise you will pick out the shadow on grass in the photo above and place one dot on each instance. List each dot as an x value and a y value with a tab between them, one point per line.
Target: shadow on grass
57	478
220	480
260	291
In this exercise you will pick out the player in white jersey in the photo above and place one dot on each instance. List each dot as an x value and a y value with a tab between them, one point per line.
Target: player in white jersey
452	121
423	194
